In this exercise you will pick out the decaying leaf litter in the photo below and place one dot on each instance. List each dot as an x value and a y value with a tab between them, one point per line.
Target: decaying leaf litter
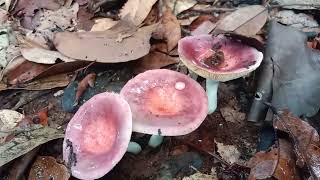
56	55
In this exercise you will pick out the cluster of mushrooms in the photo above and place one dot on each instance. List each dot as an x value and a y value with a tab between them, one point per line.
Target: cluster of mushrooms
157	102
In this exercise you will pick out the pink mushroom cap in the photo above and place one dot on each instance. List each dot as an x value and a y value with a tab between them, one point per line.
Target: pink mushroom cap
165	102
238	58
100	132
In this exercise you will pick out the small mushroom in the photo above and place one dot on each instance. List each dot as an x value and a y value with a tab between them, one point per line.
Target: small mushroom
97	136
217	58
165	103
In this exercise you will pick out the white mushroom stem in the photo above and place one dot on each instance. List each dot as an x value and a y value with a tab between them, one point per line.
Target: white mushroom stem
134	147
155	141
212	89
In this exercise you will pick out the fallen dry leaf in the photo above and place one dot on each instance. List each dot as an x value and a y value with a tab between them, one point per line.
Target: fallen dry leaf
160	46
245	21
201	176
232	115
28	8
188	21
263	164
136	11
286	165
2	86
152	17
154	60
42	116
89	80
179	6
169	29
303	5
278	163
63	67
299	20
103	24
201	19
84	19
43	56
21	70
46	167
105	46
4	44
60	80
306	139
82	2
228	153
314	44
9	119
205	28
24	140
3	16
63	18
47	22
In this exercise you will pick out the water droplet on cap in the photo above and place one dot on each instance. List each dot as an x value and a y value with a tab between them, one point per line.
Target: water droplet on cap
180	85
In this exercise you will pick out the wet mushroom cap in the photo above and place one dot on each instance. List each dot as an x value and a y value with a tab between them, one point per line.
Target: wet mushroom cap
165	102
218	57
97	136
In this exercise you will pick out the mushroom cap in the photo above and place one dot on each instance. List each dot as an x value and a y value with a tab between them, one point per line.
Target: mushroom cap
100	132
239	59
165	102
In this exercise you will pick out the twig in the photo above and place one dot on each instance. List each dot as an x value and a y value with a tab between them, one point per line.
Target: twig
218	158
213	9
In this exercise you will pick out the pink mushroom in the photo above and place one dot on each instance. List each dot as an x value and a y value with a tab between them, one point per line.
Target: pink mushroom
97	136
165	103
218	58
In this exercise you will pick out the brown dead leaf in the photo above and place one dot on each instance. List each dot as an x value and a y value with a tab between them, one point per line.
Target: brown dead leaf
201	19
105	46
152	17
60	80
89	80
169	29
28	8
154	60
188	21
43	56
306	139
63	18
179	6
42	117
278	163
2	86
24	140
84	19
228	153
232	115
263	164
200	176
46	167
136	11
160	46
23	71
286	168
245	21
63	67
205	28
3	16
103	24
